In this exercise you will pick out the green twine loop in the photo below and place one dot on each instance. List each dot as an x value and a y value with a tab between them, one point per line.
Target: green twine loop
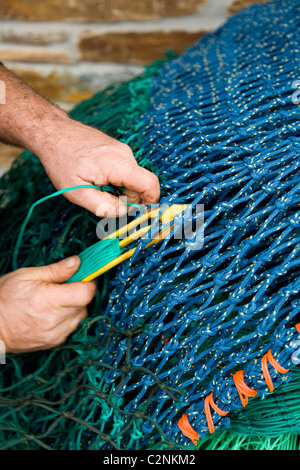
43	199
95	257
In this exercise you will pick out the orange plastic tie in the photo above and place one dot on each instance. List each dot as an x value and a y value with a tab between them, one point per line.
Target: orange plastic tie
243	390
209	402
298	327
265	370
187	430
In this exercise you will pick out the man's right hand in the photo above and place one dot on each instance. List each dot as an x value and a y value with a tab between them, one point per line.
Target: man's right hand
37	310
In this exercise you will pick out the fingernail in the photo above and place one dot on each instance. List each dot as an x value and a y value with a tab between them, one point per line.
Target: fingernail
70	262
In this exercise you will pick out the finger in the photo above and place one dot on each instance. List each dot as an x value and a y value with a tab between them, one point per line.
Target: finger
102	204
132	196
57	272
75	294
137	179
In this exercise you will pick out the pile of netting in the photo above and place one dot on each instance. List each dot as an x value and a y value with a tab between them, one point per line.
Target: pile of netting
178	340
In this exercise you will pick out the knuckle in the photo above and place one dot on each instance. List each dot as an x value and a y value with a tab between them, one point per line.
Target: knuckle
82	315
123	146
125	149
154	178
151	182
79	317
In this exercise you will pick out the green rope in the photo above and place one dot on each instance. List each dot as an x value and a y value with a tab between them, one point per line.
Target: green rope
95	257
86	256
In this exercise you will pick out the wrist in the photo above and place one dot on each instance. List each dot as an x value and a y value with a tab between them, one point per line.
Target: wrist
45	131
27	119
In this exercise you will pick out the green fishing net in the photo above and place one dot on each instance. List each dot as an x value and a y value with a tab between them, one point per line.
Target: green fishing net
39	391
93	392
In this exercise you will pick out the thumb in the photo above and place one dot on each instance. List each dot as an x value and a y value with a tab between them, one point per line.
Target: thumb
57	272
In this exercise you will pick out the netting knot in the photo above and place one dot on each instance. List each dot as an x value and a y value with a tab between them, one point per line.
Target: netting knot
281	204
295	220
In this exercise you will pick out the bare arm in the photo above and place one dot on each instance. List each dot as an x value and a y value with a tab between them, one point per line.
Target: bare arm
73	153
27	119
37	309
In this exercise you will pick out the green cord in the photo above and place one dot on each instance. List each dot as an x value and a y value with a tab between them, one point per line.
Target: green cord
95	257
43	199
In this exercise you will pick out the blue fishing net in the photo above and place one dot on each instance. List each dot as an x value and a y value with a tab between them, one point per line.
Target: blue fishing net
156	362
224	131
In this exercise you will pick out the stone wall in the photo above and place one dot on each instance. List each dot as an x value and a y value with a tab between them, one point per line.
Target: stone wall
68	49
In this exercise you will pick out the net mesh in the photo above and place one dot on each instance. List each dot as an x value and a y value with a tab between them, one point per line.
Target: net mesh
172	325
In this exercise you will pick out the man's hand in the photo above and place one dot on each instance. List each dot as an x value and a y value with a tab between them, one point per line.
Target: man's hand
72	153
38	311
80	154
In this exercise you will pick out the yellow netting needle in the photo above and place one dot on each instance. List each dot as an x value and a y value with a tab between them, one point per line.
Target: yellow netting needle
166	217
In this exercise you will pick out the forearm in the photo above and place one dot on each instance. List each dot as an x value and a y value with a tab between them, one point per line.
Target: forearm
27	119
73	153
